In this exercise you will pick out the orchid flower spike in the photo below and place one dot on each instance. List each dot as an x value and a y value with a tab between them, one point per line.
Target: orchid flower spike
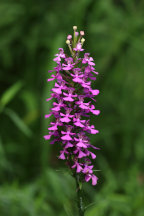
73	105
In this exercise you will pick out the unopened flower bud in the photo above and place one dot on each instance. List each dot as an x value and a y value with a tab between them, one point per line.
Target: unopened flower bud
74	28
82	40
76	34
82	33
67	41
69	37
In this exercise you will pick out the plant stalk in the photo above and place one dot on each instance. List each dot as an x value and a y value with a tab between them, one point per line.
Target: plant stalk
80	203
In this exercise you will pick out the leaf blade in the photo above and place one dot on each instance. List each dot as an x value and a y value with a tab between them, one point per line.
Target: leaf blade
18	122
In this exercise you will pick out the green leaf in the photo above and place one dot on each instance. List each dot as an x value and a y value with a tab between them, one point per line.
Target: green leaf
4	164
10	93
18	122
80	185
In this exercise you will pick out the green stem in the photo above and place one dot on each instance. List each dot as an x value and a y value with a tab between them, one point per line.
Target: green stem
79	196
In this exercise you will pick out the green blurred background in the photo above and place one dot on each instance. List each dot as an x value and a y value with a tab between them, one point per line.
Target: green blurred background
33	182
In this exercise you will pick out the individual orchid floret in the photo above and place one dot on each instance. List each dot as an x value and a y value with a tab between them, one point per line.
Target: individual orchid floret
66	117
68	145
67	133
82	105
69	96
58	88
57	106
77	121
88	60
59	56
77	76
78	167
80	153
63	153
92	109
78	47
90	128
69	64
55	125
81	141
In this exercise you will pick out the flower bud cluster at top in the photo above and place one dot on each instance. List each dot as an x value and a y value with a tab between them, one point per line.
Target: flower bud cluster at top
71	110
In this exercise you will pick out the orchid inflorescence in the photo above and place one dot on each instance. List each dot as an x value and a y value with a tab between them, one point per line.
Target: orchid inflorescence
71	111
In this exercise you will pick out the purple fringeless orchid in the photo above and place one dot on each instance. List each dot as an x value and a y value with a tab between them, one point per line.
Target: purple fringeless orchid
73	105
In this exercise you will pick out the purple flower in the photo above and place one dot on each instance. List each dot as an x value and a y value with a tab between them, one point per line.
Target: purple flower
81	141
92	109
93	177
81	104
69	95
55	125
78	167
58	88
57	106
66	117
77	77
73	95
62	154
78	47
69	64
90	128
67	133
80	153
77	121
88	60
59	56
68	145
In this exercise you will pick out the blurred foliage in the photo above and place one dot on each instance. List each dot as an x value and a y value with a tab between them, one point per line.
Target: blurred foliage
33	181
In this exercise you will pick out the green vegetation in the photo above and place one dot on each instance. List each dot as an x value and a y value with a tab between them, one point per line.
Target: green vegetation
33	182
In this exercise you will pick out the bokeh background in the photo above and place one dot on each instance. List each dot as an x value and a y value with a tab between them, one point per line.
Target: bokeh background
33	182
